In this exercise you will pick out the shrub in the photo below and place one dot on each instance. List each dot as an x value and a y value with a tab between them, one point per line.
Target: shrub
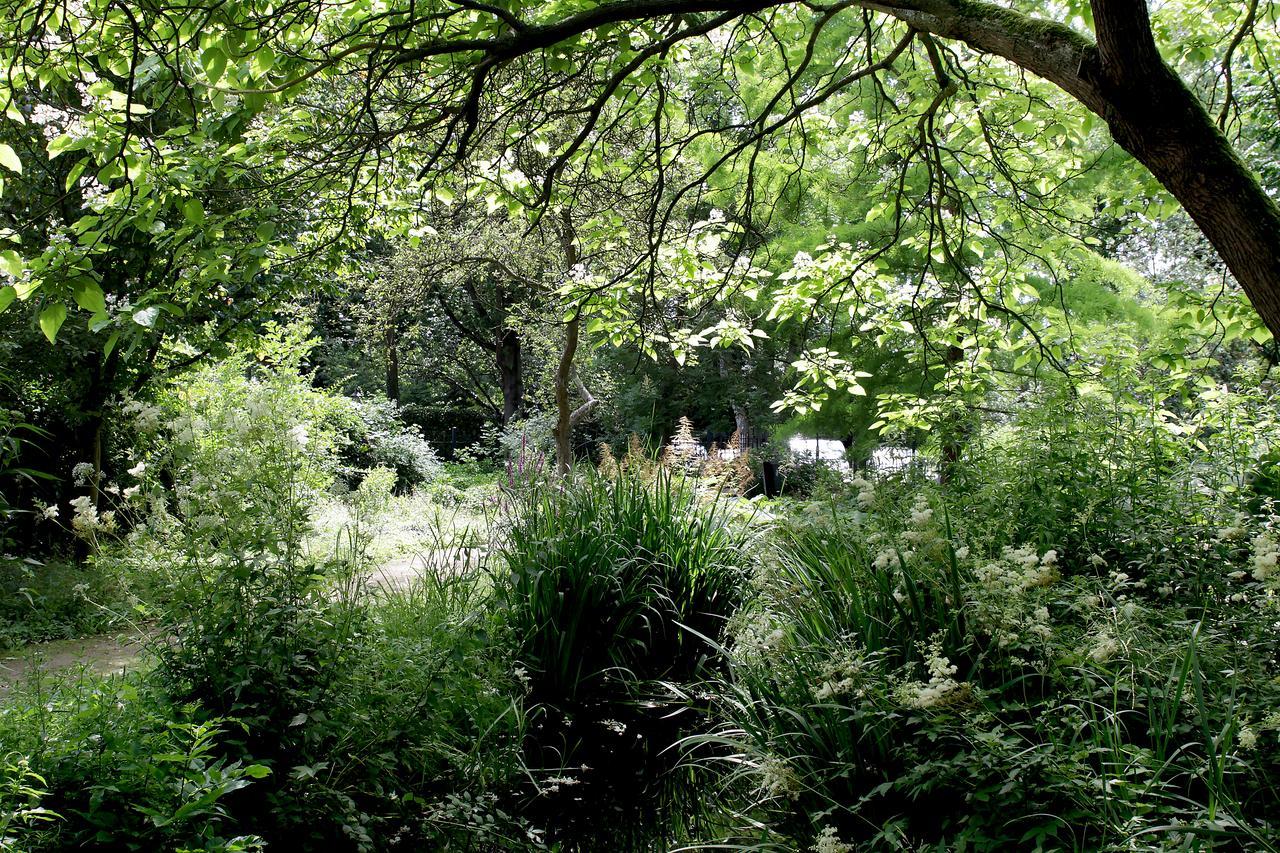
110	764
373	434
902	680
608	589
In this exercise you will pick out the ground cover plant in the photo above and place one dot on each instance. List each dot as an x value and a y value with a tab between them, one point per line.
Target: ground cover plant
586	425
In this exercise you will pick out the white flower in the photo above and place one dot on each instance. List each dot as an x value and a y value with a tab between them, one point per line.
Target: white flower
50	512
829	842
138	470
1266	553
82	473
779	779
887	559
299	435
131	491
1104	648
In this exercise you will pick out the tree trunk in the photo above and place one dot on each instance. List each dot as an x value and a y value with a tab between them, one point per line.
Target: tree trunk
1156	118
510	374
392	343
564	415
952	432
564	370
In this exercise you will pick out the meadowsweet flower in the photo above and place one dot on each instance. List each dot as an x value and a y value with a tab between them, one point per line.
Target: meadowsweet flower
85	519
299	436
1266	552
942	689
866	491
779	779
138	470
82	473
1104	648
49	512
886	560
1097	560
829	842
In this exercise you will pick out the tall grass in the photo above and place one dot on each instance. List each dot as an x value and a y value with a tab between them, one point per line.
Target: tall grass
609	589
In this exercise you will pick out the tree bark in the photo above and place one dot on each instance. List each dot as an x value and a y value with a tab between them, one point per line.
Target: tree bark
510	374
391	341
564	415
564	370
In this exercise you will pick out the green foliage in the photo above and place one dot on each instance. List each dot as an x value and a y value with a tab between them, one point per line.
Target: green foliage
58	599
926	670
608	589
115	766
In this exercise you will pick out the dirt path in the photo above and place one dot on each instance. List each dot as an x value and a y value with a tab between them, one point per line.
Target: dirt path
103	654
111	653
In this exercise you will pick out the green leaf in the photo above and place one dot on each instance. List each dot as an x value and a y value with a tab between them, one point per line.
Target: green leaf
214	62
265	231
7	295
9	159
193	210
88	295
263	60
11	263
111	343
74	175
51	320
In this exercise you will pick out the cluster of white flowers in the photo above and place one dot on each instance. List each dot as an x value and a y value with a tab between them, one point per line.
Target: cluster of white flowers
82	473
1104	648
921	531
1020	569
87	520
942	689
779	779
761	637
1008	606
866	492
616	726
298	434
829	842
842	676
1266	552
555	783
145	418
887	560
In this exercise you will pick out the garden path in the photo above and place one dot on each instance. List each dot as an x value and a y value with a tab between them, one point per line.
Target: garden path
115	652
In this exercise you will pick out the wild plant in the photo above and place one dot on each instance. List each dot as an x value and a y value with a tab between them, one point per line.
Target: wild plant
607	589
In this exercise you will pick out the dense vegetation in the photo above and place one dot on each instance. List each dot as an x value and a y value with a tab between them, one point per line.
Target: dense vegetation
639	426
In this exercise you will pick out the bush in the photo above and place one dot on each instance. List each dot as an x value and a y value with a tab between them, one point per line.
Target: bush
611	590
905	679
110	764
374	435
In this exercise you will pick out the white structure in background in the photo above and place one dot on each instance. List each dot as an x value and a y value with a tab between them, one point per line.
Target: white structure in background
891	460
884	460
825	450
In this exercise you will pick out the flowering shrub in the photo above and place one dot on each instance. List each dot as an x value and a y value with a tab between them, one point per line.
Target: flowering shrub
920	668
371	434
